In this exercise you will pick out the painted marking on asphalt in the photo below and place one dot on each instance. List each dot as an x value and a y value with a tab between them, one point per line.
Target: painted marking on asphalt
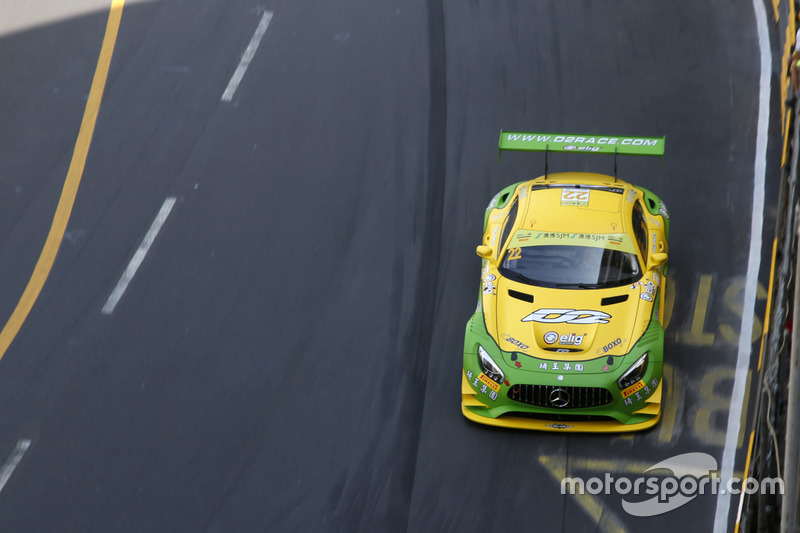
672	397
756	223
138	257
606	520
746	473
13	461
733	300
247	57
768	311
617	466
713	406
697	336
70	189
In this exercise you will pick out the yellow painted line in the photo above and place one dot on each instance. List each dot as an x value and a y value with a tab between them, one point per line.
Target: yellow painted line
670	405
616	466
768	311
775	4
606	520
746	401
746	474
786	133
696	336
70	189
608	465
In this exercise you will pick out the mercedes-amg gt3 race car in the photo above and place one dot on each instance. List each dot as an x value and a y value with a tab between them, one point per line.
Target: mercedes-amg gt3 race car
568	333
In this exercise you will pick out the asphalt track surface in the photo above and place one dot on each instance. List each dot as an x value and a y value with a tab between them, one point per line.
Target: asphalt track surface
288	355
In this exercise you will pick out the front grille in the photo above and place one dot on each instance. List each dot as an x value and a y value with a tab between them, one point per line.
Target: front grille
560	397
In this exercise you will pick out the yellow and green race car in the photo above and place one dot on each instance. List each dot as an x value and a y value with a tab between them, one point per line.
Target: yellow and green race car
568	334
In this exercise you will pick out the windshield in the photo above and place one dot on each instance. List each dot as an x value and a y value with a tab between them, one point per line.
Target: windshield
571	261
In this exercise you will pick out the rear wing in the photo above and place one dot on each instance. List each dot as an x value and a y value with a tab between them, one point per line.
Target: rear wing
570	143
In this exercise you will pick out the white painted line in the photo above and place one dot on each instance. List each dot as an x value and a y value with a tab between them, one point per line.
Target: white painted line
12	461
248	55
139	256
753	264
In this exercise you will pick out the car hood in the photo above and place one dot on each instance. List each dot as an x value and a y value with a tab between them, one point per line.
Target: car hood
575	325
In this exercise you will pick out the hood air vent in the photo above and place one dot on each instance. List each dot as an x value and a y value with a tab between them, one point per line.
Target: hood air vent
611	300
522	296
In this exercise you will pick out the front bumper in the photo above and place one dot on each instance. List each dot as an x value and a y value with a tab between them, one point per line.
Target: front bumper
592	400
595	421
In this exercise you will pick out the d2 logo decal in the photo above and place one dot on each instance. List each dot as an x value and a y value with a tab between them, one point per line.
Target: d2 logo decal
567	316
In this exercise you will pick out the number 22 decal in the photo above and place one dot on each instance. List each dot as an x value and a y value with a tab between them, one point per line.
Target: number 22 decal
514	254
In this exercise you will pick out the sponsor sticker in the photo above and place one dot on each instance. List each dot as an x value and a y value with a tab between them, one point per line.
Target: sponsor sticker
489	288
571	339
492	384
558	426
577	367
578	197
511	340
611	345
568	316
639	385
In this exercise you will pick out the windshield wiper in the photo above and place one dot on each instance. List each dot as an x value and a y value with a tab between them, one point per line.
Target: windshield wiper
580	285
521	277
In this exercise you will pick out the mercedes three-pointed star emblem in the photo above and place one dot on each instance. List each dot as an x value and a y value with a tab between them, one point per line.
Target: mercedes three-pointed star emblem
559	398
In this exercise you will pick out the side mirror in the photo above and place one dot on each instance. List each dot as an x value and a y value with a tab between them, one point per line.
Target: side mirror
485	252
658	258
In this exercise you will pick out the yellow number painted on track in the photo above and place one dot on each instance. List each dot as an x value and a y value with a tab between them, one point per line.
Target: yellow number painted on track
713	407
734	296
672	398
696	336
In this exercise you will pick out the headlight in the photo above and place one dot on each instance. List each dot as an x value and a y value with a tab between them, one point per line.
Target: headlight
634	373
488	366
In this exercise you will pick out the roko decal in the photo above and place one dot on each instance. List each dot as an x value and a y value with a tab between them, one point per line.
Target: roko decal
567	316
